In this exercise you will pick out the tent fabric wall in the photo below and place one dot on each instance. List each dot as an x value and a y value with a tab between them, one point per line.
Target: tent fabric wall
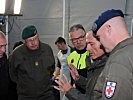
48	18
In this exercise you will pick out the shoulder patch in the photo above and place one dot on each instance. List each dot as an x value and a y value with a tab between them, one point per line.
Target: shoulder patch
110	89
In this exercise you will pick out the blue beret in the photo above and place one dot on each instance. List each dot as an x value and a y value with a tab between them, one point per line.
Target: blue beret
29	31
105	16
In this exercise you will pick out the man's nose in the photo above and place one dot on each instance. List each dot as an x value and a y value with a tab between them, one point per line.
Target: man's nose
33	42
78	41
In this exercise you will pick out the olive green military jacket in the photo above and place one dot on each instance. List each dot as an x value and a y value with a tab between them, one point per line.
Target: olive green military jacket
117	77
32	70
116	80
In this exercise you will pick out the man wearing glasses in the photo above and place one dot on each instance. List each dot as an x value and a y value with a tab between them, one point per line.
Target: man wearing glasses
78	56
31	67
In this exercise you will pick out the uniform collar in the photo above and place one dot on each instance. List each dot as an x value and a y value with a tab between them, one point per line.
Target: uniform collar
64	51
81	51
122	44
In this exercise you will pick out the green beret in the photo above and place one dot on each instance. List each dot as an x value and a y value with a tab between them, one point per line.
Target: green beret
29	31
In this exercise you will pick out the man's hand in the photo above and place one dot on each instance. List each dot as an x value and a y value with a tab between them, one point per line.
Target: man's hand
74	72
64	84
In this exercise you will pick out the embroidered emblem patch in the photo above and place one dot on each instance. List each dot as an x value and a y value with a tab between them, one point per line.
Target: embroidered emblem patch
110	89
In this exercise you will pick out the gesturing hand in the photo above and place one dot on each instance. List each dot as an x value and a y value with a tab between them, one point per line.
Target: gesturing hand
74	72
64	84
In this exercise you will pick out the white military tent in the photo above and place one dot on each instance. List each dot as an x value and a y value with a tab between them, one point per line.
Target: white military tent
52	20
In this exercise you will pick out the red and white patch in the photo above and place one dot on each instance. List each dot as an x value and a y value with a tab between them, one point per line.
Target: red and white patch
110	89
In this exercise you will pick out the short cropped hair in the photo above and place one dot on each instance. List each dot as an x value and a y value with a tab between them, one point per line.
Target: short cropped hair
76	27
60	40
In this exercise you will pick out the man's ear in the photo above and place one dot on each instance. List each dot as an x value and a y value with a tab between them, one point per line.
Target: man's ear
108	29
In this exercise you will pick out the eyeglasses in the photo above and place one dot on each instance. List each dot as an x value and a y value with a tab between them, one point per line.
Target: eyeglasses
81	38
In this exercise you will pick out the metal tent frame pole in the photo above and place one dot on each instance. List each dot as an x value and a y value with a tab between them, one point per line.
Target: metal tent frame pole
131	27
7	51
64	10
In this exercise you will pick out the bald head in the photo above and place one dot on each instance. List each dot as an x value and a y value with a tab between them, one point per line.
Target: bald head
118	25
113	32
3	44
2	35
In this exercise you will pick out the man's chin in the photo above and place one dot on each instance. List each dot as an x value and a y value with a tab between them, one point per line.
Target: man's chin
34	48
1	55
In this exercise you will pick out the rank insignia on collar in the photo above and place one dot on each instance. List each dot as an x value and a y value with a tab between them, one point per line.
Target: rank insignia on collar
110	89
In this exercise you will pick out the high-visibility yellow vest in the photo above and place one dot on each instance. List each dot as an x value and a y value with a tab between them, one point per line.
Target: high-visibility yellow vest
78	60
